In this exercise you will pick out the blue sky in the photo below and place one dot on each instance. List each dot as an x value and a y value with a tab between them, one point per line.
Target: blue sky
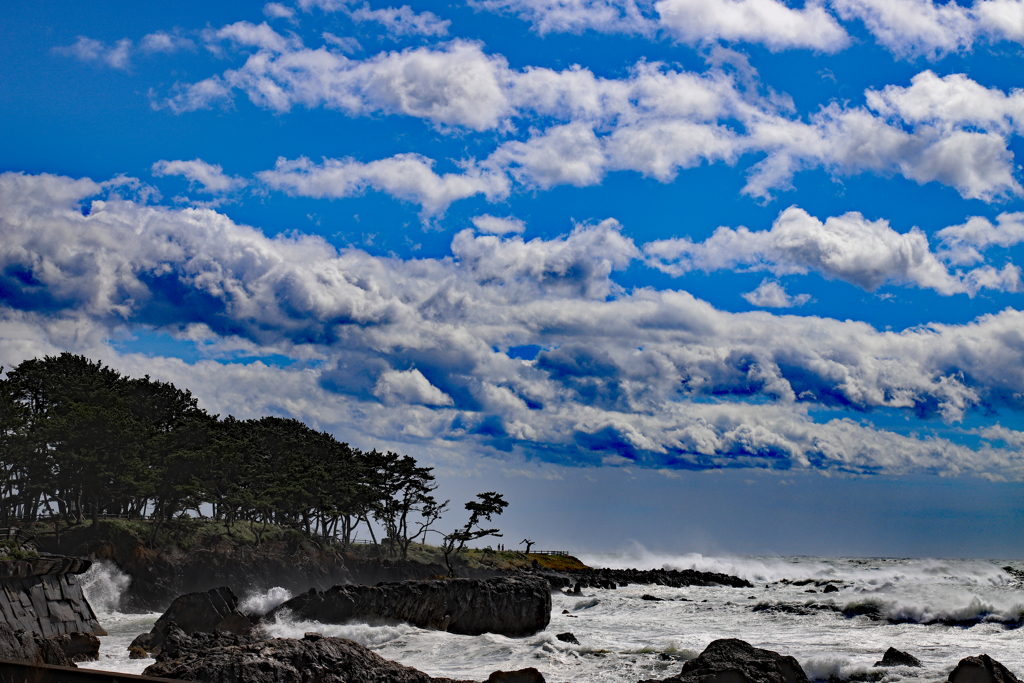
676	264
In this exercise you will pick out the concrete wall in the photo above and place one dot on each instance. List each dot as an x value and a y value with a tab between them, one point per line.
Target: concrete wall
46	597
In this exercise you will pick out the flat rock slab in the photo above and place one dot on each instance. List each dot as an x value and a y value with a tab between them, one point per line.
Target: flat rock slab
511	606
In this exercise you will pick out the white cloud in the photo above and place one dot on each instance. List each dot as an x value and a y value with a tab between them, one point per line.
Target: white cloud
275	10
851	248
403	21
963	244
577	16
210	176
771	294
116	56
654	121
410	177
163	42
493	225
617	372
913	28
409	386
346	44
767	22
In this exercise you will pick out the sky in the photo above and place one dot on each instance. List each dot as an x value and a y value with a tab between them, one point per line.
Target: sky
714	276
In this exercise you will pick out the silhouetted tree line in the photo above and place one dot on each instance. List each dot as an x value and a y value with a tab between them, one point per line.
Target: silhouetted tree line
79	440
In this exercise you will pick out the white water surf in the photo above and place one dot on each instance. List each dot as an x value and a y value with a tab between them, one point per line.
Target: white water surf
624	638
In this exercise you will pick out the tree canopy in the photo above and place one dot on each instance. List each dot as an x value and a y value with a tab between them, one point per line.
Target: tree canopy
79	440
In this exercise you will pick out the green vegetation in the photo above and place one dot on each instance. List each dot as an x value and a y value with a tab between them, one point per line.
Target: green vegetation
80	442
10	549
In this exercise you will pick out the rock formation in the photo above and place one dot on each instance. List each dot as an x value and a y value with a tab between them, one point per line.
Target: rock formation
212	610
26	646
894	657
735	661
313	659
981	669
512	606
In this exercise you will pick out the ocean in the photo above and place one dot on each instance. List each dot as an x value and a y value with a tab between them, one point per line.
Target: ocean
937	610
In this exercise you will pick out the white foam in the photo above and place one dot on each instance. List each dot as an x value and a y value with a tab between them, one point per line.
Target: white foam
104	586
261	603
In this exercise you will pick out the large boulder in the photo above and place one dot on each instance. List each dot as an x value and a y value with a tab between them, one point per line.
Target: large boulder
213	610
894	657
311	660
735	661
981	669
26	646
513	606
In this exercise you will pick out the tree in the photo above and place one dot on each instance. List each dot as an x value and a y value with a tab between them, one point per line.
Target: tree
486	505
403	494
529	544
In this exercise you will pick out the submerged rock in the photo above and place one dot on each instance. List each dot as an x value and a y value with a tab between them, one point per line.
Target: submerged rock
567	637
981	669
213	610
283	660
529	675
511	606
735	661
894	657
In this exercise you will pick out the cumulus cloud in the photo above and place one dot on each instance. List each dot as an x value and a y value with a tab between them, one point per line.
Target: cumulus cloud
493	225
964	244
767	22
409	386
210	176
771	294
410	177
654	121
851	248
656	376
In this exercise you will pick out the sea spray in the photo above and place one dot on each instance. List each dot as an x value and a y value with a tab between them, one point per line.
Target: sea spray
104	586
261	603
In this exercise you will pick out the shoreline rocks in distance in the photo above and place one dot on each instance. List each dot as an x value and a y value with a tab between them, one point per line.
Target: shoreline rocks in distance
513	606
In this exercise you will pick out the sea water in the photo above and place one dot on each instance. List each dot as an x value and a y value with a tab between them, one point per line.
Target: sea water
937	610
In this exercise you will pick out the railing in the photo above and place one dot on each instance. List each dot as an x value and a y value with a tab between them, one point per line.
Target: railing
563	553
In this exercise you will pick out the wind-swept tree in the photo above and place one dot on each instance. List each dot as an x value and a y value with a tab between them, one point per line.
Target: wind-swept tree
486	505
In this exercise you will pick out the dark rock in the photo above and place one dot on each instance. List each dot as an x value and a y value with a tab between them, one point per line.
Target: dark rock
513	606
214	610
282	660
177	643
529	675
894	657
831	588
577	590
567	638
25	646
981	669
79	647
651	597
735	661
136	652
